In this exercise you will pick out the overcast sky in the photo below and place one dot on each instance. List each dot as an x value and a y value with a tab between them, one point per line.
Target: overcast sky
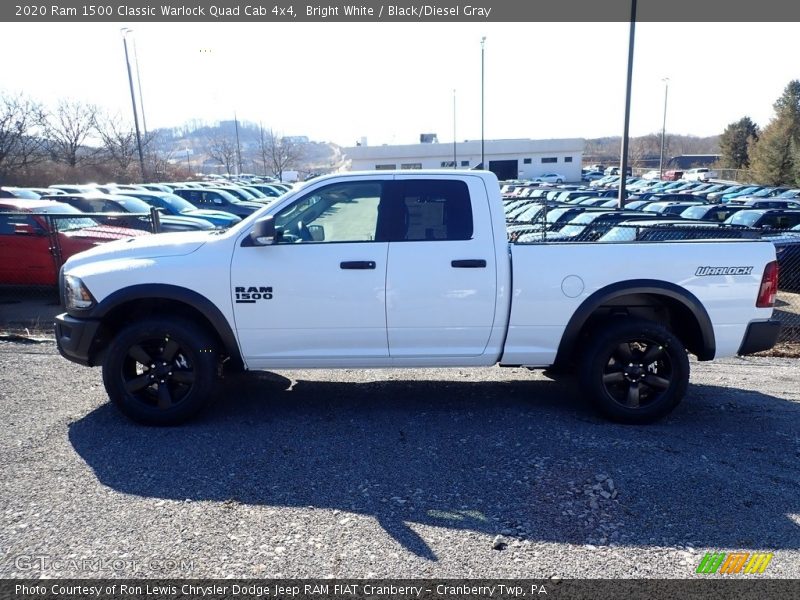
389	82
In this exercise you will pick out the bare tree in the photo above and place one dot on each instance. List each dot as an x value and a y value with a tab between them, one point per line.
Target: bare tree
21	142
278	153
119	142
223	150
68	128
158	155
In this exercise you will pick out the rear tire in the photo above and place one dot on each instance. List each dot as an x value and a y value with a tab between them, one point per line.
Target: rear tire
634	371
161	371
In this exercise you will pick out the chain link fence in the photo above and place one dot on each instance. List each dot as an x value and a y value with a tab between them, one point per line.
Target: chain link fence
538	222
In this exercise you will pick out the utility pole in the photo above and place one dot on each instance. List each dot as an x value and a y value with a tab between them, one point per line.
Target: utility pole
623	164
663	130
238	147
455	164
125	32
483	155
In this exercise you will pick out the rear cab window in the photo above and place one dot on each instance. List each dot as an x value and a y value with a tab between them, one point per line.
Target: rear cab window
432	210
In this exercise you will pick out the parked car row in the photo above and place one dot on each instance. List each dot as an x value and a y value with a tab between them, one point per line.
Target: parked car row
38	232
185	205
668	211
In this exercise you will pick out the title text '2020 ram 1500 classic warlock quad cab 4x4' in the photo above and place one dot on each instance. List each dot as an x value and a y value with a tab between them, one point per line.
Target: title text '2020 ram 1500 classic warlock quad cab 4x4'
407	269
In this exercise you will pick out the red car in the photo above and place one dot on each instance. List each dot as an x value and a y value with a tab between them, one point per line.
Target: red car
32	251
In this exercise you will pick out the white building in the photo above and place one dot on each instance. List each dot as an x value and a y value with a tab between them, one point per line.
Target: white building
508	159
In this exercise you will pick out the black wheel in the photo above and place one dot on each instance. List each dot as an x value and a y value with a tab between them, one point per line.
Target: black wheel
161	371
634	371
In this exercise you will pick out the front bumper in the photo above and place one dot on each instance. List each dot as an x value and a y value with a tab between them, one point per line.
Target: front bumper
760	335
75	337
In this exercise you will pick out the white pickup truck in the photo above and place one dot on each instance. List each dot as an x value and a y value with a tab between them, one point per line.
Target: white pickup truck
407	269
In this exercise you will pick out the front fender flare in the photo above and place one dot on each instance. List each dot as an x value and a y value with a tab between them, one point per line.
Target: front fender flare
160	291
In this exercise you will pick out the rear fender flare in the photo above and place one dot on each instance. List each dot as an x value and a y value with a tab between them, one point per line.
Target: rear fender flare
606	295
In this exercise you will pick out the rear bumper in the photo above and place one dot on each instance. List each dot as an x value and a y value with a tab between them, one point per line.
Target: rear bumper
74	338
760	335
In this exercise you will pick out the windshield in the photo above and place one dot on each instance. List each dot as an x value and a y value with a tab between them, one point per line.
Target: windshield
573	229
133	205
255	192
744	217
68	223
621	233
586	217
177	203
555	214
241	193
747	190
695	212
530	213
24	194
790	194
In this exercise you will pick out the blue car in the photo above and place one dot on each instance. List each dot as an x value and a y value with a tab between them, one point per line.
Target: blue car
172	204
748	191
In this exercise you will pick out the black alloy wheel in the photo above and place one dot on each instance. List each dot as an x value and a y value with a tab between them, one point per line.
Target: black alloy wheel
635	371
161	371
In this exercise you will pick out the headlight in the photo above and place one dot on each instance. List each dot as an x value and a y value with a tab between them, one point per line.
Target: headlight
76	294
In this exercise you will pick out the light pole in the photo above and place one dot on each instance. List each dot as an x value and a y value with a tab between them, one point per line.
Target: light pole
623	163
139	85
238	147
455	164
125	31
483	156
663	130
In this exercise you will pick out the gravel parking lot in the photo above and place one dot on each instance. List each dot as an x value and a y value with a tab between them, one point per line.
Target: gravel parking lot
395	474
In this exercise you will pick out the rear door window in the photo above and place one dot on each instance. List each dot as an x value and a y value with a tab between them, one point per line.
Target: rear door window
428	210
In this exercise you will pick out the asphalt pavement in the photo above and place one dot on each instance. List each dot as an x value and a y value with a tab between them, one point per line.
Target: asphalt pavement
446	473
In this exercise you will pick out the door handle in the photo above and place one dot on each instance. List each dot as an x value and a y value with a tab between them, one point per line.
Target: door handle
472	263
357	264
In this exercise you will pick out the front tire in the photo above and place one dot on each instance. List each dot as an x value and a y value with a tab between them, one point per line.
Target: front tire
161	371
634	371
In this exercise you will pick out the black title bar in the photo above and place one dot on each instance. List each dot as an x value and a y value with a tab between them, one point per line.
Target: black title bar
410	11
396	589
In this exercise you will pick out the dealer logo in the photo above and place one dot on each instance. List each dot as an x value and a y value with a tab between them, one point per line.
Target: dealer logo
252	294
708	271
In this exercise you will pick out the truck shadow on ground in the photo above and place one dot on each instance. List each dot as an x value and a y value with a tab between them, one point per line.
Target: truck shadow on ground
528	459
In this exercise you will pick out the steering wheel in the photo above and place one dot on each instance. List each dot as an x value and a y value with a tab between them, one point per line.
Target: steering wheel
303	233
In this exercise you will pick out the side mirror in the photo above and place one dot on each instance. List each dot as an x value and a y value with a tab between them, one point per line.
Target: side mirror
263	233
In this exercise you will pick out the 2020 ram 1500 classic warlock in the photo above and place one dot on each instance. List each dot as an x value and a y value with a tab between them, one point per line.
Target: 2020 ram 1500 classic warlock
407	269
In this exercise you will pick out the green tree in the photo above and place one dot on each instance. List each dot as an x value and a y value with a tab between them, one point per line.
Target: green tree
772	160
735	142
773	156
